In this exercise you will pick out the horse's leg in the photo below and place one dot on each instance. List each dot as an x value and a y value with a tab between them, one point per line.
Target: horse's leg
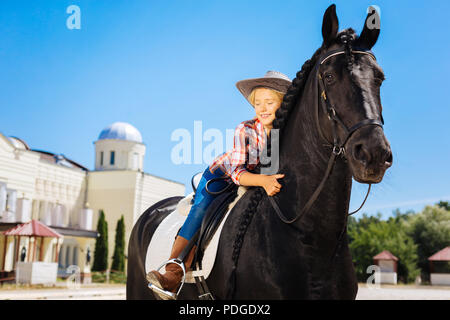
346	284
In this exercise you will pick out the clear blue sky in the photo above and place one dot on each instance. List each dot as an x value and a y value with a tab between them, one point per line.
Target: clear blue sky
161	65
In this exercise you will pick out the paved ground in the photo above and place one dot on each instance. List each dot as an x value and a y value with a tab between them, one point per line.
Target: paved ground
86	292
117	292
403	292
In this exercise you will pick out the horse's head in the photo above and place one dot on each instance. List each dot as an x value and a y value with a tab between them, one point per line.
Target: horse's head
349	82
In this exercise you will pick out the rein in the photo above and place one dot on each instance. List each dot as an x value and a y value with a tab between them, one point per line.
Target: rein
338	148
229	186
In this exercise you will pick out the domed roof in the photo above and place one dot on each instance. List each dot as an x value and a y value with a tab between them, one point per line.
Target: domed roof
121	131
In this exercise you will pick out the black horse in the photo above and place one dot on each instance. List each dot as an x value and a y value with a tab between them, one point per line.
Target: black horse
259	255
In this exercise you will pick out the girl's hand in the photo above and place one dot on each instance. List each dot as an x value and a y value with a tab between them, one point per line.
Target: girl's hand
271	185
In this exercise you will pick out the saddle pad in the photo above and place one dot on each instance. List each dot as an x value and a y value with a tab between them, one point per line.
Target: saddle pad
160	245
184	206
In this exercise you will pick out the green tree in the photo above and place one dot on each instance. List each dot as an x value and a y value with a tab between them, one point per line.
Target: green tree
444	204
355	225
370	236
430	230
118	262
101	245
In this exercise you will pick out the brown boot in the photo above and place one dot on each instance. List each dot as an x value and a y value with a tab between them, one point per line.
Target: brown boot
171	279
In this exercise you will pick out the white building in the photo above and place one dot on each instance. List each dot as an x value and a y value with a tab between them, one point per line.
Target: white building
387	264
66	196
119	186
440	267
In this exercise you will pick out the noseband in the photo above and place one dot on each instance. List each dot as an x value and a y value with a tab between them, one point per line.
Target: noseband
338	148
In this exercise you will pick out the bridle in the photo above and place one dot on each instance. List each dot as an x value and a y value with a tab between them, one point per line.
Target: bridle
338	147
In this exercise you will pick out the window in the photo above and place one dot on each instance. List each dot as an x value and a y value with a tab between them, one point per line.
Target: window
111	159
135	161
75	255
60	256
37	252
3	197
101	158
68	262
11	198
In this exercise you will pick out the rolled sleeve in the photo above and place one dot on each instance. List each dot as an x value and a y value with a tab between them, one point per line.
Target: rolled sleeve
237	173
238	154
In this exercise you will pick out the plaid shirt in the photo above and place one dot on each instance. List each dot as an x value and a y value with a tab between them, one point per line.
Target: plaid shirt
249	141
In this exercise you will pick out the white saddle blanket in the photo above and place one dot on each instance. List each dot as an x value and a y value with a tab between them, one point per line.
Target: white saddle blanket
160	246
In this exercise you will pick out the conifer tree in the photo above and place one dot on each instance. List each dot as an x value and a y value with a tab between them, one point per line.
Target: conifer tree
118	262
101	245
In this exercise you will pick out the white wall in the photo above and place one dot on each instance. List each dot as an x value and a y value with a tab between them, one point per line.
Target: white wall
23	210
442	279
151	189
127	193
24	175
386	277
124	152
386	265
56	185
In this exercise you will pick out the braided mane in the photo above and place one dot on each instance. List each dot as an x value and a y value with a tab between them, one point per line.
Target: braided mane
295	90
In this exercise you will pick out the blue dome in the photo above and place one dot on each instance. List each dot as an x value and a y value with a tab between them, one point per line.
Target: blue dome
121	131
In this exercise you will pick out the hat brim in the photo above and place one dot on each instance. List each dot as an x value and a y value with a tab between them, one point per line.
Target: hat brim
246	86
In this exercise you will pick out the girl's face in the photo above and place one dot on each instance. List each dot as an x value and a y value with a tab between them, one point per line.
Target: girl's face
266	104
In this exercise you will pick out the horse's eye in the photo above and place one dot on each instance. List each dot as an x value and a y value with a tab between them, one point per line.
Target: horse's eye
329	77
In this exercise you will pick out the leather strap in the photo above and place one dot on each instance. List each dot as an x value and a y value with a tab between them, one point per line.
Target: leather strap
202	288
185	252
311	201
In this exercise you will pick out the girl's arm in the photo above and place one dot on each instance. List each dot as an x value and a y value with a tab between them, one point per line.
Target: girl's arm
268	182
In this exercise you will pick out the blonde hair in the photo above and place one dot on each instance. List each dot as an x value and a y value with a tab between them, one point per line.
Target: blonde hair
251	96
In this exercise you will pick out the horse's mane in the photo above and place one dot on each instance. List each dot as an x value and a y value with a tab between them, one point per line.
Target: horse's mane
290	99
295	90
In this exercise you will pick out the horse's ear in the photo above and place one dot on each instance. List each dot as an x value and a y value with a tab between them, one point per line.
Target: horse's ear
371	31
330	25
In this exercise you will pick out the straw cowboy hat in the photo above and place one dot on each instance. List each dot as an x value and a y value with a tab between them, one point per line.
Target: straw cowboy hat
272	79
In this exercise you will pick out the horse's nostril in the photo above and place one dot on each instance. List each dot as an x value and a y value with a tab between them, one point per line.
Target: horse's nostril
389	158
360	153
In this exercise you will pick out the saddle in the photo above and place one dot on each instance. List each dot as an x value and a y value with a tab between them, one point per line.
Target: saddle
211	220
206	239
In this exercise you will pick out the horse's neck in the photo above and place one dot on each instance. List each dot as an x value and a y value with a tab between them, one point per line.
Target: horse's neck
304	158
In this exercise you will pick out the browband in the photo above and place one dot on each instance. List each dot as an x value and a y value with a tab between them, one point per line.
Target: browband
342	51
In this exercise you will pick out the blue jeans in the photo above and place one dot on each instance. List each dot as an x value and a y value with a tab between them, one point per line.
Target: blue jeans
202	200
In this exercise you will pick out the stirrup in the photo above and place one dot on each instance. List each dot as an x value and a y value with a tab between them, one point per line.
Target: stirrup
170	294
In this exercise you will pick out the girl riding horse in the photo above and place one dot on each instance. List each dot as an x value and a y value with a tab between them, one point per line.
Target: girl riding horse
265	95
